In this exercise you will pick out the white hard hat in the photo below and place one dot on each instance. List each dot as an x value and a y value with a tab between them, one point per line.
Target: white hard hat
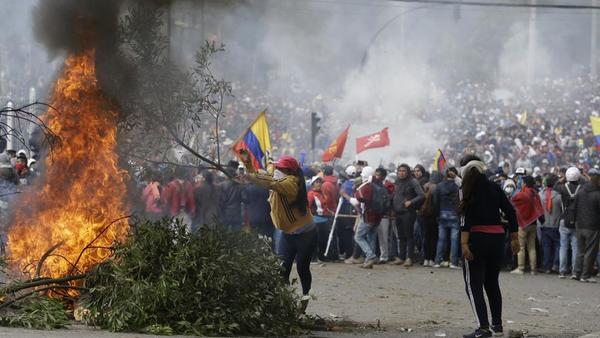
351	170
367	172
572	174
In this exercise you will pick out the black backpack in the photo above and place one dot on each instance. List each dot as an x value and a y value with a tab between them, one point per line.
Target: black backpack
569	214
381	202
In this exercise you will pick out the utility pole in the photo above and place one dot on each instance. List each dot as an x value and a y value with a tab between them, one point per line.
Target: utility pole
315	126
532	45
593	42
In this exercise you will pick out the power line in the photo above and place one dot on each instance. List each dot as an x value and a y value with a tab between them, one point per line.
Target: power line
496	4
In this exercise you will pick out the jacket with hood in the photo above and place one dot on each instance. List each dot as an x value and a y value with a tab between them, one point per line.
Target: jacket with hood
331	191
424	178
568	193
552	211
446	196
407	189
587	207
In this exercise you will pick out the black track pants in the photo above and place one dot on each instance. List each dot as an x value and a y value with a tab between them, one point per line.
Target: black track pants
299	247
482	273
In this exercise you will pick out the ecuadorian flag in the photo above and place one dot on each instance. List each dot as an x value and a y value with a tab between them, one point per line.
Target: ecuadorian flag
596	129
439	162
255	140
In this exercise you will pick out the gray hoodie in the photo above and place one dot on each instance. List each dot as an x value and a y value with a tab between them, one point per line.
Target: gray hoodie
552	218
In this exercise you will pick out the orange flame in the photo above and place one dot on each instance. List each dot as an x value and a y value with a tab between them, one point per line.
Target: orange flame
83	188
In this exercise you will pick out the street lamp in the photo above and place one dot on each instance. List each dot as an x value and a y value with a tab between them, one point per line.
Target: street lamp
385	25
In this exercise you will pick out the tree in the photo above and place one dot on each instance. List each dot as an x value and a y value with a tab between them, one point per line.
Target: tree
169	107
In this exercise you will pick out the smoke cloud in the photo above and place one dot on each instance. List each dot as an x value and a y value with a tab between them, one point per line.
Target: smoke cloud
280	45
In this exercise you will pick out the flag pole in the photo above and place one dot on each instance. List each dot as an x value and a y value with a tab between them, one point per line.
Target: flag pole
337	212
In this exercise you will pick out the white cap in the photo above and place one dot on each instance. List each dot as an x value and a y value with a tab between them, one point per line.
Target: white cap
315	178
351	170
573	174
520	171
366	173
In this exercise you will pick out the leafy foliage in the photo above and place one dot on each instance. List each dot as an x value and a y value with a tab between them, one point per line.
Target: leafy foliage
213	282
37	312
180	108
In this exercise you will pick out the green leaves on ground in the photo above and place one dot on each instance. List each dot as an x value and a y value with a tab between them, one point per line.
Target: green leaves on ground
214	282
36	312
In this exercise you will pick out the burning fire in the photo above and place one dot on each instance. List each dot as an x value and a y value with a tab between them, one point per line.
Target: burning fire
83	188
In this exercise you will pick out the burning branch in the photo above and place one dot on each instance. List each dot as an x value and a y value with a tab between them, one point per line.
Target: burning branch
24	114
89	245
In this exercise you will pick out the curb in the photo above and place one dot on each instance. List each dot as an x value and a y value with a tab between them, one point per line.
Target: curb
592	335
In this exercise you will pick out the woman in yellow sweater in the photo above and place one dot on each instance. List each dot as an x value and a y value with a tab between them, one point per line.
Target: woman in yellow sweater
289	212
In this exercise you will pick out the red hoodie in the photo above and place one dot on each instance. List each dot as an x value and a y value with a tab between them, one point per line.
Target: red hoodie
528	206
331	191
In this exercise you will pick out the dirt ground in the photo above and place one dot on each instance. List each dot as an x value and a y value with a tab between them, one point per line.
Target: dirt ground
429	301
391	301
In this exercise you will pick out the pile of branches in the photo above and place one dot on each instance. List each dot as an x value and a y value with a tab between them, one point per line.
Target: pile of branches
28	303
163	279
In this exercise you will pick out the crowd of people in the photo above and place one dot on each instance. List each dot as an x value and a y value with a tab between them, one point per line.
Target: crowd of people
416	220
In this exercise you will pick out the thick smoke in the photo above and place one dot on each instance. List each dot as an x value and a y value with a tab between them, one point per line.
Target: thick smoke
69	26
281	44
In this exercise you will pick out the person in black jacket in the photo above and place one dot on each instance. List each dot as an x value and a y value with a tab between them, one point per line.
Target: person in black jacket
408	197
482	243
258	209
231	200
587	220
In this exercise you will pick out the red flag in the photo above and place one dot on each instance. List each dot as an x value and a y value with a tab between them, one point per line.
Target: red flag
376	140
336	148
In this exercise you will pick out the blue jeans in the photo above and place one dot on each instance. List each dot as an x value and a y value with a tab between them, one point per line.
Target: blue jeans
365	238
448	227
567	236
550	247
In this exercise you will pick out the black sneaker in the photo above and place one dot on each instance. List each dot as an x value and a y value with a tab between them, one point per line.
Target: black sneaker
498	331
479	333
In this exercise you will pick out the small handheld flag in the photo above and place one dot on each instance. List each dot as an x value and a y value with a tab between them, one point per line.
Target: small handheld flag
439	162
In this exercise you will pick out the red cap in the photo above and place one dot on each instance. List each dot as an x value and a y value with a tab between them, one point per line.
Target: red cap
287	162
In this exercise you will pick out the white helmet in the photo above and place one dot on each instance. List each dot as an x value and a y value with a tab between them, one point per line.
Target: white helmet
351	170
572	174
366	173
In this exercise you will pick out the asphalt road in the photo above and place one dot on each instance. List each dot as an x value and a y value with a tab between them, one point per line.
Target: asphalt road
391	301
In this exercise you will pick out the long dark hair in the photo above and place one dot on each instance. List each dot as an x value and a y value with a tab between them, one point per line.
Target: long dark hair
301	201
470	185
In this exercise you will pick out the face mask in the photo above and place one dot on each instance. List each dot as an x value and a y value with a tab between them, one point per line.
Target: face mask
277	174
